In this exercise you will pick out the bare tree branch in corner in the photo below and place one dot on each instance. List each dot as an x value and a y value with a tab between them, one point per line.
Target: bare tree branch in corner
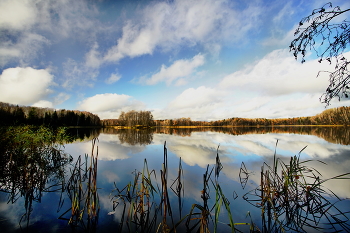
317	32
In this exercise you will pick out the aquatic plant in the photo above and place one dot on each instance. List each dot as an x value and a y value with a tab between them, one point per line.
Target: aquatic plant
291	198
147	207
81	189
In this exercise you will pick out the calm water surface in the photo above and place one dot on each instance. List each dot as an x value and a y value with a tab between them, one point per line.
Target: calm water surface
121	152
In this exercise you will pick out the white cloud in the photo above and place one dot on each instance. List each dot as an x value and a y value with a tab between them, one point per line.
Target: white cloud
103	102
17	14
61	97
191	98
276	86
278	74
198	104
113	78
65	18
92	58
179	69
24	85
24	50
43	104
8	52
110	105
27	26
184	23
76	73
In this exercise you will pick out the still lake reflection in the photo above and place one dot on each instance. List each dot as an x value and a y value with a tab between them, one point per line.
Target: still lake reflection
120	152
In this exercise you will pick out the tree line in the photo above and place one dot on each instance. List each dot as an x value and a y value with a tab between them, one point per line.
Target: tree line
333	116
19	115
26	115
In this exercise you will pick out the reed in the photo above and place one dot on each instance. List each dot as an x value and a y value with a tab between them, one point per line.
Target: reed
290	195
139	210
147	207
292	198
81	189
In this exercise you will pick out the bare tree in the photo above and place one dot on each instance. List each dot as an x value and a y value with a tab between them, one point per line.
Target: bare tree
323	33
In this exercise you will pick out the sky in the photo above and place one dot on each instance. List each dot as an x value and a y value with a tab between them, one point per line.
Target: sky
203	59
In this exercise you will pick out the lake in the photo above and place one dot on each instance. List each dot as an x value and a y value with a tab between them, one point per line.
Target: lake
229	159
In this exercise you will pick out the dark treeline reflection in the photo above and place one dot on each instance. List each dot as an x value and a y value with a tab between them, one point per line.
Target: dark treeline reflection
132	136
338	135
83	134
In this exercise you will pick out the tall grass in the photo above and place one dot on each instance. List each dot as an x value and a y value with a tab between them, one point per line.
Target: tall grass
291	194
81	189
146	206
292	198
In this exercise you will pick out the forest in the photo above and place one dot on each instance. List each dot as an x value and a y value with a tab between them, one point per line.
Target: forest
26	115
12	115
332	116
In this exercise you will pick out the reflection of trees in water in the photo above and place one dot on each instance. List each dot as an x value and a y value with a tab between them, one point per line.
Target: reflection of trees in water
339	135
31	163
132	136
184	132
83	134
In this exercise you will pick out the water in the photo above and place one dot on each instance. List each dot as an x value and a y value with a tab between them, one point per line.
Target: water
121	152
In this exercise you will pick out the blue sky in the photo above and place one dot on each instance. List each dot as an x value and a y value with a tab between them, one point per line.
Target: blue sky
203	59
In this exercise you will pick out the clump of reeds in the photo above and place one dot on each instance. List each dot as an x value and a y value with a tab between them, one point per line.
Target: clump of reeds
292	198
31	163
147	207
81	189
138	198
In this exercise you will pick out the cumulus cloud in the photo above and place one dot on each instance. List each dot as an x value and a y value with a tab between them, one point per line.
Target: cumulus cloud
103	102
110	105
276	86
18	42
168	25
176	71
278	74
25	16
24	85
197	103
191	98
